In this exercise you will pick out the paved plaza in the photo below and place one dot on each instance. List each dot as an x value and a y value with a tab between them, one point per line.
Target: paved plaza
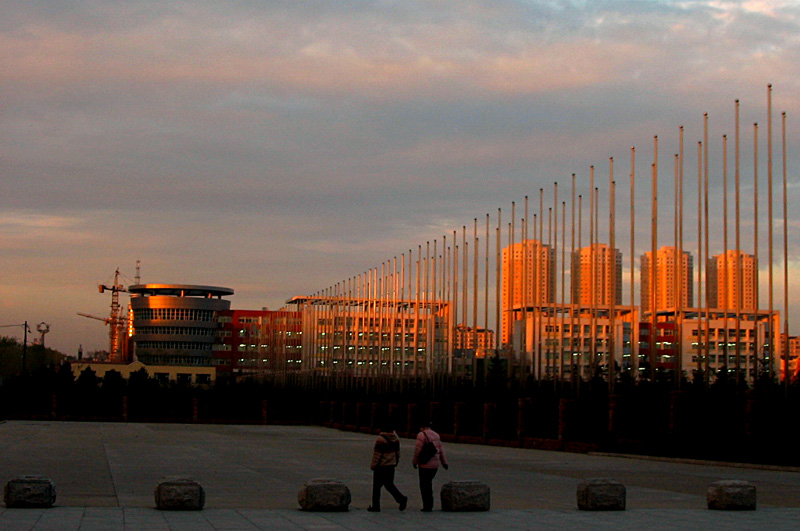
105	474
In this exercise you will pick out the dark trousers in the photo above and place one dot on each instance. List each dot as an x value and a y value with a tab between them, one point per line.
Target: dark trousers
426	476
383	476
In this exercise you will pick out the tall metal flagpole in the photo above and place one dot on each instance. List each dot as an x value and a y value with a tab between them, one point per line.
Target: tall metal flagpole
681	280
549	326
738	260
785	342
537	249
417	312
456	286
561	306
598	273
653	260
581	352
429	328
542	283
434	307
497	273
634	340
612	357
572	292
513	300
475	253
771	337
707	262
512	289
756	301
555	273
465	280
593	282
725	279
486	343
455	267
702	361
655	247
446	293
403	310
525	287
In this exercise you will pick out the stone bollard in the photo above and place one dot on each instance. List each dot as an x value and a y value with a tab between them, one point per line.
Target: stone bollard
324	495
465	496
731	495
178	493
601	495
30	491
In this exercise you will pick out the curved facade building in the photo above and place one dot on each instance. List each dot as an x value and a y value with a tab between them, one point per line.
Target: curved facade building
176	324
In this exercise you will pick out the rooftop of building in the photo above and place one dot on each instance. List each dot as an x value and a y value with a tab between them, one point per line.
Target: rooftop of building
179	290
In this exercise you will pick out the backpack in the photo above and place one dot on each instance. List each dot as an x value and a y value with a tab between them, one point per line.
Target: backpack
427	451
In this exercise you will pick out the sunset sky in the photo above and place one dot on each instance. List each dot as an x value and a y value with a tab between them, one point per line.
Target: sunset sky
277	147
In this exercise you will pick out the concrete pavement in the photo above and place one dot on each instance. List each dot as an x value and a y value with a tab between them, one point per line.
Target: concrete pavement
105	474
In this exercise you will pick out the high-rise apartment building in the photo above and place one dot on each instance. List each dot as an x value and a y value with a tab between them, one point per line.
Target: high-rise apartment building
600	284
726	285
528	278
674	284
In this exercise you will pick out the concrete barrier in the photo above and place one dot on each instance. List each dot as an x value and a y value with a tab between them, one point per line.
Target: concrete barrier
30	491
601	494
465	496
178	493
731	495
324	495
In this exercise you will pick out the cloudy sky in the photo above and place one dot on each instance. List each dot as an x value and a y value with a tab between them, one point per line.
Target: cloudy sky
277	147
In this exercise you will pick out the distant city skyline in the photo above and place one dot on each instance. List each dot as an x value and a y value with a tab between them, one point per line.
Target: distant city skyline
277	148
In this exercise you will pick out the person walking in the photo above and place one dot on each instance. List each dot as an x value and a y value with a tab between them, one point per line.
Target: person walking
385	458
428	456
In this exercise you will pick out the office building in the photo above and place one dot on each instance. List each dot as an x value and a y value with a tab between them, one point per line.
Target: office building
176	324
372	336
251	342
560	340
477	339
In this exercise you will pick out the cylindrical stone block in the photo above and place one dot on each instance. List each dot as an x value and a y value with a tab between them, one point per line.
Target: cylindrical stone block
30	491
731	495
601	495
324	495
179	494
465	496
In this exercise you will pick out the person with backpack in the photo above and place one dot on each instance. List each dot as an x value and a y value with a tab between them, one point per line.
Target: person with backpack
428	456
385	458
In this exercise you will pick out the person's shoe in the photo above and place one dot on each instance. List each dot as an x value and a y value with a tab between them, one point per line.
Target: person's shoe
374	509
404	503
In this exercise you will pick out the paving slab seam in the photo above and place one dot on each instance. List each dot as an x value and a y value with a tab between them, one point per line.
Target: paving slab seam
133	519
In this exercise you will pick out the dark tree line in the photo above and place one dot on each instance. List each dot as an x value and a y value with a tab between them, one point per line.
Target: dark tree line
726	421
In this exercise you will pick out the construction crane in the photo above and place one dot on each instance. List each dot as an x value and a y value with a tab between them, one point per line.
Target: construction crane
115	321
